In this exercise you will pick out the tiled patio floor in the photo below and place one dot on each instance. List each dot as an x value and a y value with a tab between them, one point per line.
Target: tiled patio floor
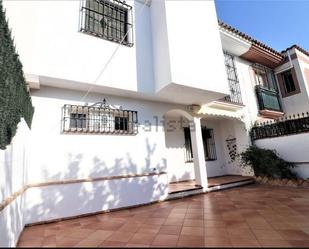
212	181
249	216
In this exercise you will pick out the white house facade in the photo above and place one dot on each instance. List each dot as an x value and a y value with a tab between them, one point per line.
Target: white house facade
129	98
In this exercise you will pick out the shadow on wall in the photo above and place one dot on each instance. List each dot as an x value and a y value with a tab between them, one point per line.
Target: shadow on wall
65	200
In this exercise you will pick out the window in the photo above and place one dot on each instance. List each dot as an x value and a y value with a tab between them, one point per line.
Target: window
235	94
288	81
108	19
208	142
264	77
121	123
77	120
98	119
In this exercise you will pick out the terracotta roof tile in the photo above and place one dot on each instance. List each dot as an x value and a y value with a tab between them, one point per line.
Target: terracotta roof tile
249	38
304	51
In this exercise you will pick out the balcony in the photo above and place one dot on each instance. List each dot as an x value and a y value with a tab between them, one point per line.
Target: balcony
269	103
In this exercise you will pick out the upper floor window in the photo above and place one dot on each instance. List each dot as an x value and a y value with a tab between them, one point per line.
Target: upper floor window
264	77
288	83
98	119
235	93
108	19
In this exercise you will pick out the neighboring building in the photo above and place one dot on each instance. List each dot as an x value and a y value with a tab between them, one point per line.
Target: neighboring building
158	75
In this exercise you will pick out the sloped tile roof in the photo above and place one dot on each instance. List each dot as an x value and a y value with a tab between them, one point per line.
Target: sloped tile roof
258	43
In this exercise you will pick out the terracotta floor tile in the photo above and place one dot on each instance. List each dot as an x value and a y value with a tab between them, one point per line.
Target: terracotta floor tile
192	231
149	229
176	216
174	222
170	230
165	240
193	223
240	234
100	235
293	235
155	221
217	242
237	225
220	233
136	245
194	216
120	237
142	238
274	243
299	243
266	234
215	223
80	233
67	242
113	244
190	241
31	243
88	243
245	243
130	227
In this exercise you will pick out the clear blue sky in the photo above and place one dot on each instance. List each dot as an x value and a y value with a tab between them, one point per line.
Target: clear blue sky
277	23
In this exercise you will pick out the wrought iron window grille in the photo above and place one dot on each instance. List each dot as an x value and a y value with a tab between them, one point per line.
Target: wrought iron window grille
99	118
283	126
208	142
107	19
235	93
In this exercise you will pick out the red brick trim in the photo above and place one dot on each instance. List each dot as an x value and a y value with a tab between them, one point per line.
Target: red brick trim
11	198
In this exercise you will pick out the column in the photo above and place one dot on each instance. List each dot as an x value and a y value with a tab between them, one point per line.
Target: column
198	154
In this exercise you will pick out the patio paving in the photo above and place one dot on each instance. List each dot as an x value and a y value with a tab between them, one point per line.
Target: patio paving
249	216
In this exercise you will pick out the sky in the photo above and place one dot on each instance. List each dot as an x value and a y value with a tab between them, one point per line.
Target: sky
277	23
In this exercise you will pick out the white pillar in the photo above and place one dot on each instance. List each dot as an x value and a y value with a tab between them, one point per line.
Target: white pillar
198	154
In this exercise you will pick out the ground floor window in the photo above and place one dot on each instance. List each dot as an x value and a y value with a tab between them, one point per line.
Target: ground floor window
99	118
208	142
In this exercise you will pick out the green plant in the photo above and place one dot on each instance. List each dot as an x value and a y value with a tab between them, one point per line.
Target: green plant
15	101
266	162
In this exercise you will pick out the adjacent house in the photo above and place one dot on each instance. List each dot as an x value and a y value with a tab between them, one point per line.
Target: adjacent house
129	97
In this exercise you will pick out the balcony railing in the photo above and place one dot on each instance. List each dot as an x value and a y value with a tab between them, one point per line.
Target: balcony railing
268	99
283	126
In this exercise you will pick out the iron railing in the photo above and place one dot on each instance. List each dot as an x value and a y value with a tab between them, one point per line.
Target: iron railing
290	125
107	19
99	118
235	93
268	99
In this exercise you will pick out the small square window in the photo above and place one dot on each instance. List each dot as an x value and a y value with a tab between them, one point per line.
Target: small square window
121	123
288	82
108	19
78	120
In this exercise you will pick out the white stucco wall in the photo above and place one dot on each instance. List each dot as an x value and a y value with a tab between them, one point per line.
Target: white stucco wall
13	175
55	156
179	170
297	103
292	148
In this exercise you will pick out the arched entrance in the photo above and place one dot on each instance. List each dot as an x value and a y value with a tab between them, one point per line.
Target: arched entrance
178	123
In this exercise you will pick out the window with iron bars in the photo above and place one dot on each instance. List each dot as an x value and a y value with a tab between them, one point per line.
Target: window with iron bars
98	119
107	19
235	93
266	88
208	142
264	77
